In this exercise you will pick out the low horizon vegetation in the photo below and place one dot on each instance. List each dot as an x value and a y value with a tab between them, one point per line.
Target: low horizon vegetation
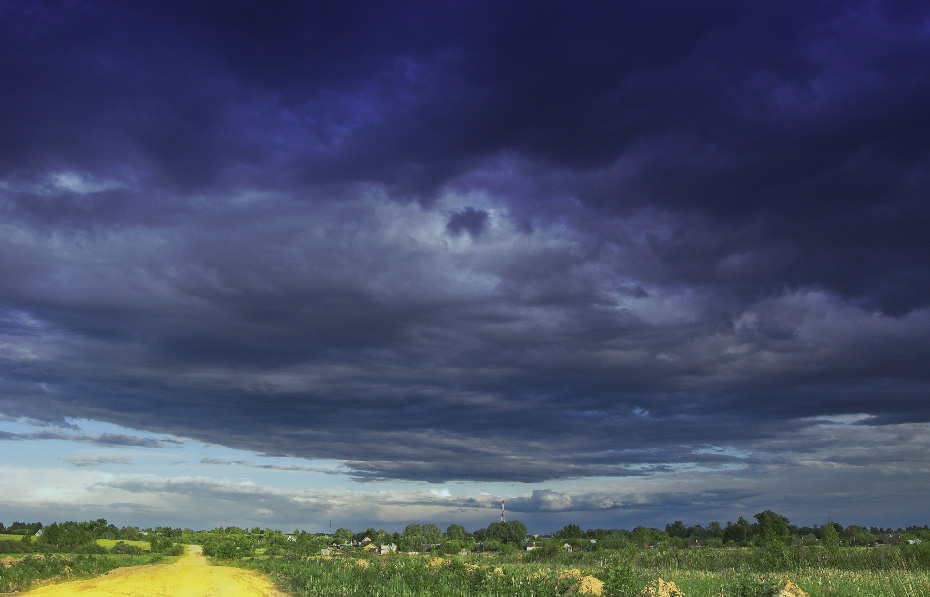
742	559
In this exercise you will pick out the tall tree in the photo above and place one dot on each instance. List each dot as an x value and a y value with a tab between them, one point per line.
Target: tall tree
772	528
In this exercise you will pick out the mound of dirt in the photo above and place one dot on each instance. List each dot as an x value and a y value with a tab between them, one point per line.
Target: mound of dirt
589	585
660	588
791	590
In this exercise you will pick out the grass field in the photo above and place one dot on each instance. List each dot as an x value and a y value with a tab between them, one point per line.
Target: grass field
5	537
853	572
109	543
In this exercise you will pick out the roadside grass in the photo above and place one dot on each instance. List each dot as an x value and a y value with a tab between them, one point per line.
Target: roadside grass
34	570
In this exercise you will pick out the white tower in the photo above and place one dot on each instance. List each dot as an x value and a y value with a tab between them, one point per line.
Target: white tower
502	510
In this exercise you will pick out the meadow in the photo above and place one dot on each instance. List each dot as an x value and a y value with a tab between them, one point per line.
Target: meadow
745	572
111	543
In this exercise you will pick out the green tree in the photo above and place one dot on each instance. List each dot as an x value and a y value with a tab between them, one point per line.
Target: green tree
772	528
456	532
342	536
571	531
160	543
512	532
676	530
738	532
412	538
641	536
831	539
431	534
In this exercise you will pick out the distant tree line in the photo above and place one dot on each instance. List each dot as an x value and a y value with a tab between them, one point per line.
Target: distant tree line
768	529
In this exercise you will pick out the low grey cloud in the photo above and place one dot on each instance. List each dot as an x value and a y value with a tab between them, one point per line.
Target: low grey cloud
97	460
103	439
273	467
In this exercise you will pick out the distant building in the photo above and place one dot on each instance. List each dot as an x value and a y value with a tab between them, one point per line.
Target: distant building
697	544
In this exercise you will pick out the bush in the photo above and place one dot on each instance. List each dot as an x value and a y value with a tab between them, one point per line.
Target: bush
619	576
549	550
161	544
751	585
91	548
14	546
125	548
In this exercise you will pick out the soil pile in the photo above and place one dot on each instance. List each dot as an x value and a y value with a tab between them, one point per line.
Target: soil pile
660	588
589	585
791	590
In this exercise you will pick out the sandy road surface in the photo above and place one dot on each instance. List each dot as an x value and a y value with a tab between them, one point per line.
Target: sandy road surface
190	576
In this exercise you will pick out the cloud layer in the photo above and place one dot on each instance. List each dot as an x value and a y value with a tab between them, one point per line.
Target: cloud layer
481	242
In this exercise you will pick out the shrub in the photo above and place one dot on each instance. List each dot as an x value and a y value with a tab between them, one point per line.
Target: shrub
91	548
125	548
619	576
7	546
746	584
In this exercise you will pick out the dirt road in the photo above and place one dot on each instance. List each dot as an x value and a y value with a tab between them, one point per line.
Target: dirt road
190	576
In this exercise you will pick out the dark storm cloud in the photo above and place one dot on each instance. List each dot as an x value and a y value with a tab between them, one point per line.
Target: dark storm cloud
702	229
469	220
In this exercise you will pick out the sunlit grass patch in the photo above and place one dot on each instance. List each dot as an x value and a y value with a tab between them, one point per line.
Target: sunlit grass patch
109	543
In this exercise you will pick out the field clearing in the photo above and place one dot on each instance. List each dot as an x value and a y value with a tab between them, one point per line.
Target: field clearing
6	537
109	543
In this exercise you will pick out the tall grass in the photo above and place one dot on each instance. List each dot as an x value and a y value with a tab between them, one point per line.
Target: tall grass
26	572
883	572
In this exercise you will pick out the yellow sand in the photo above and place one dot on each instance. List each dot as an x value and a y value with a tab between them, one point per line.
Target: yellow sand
190	576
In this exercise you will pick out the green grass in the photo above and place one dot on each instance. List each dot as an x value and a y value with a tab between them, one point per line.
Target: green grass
5	537
850	572
29	570
109	543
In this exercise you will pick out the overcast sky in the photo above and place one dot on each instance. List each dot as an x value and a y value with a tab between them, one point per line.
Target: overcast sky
379	263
